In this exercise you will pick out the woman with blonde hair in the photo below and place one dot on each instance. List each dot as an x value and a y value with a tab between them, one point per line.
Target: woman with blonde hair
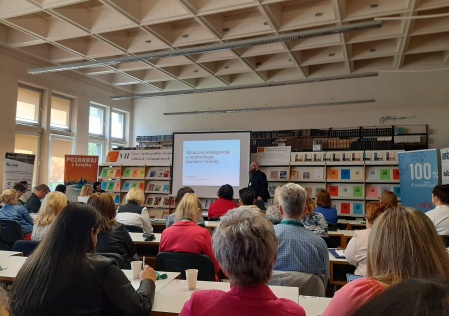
86	191
312	220
133	212
12	211
53	204
389	198
403	245
273	213
324	203
185	235
112	236
357	250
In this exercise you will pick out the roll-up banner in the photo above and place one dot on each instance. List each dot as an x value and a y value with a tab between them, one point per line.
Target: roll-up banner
18	167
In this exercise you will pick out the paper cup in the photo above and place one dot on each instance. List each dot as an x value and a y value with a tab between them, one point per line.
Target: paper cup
191	276
136	266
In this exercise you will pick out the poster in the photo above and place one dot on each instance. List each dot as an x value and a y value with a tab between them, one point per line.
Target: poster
444	165
154	157
272	156
419	175
80	169
18	167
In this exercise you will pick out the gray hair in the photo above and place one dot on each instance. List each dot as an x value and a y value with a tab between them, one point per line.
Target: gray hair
246	246
292	198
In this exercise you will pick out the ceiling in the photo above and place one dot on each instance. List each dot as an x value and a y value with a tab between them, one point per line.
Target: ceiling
73	31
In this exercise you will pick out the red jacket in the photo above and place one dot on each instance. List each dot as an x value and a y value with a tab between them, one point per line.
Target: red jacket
186	236
220	207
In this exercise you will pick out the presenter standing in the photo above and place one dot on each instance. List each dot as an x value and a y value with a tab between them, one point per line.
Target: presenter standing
258	182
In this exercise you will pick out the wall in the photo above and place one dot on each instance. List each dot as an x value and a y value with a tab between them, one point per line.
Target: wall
13	70
420	97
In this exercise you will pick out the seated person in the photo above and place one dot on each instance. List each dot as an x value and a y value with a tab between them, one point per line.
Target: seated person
61	188
52	206
64	276
357	250
273	214
324	206
185	235
299	249
440	214
248	263
112	236
224	202
314	221
21	190
389	198
133	212
391	260
33	203
247	199
12	211
171	219
411	297
97	187
86	191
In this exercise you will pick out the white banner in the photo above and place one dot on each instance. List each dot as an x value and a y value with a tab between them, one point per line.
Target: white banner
151	157
444	165
18	167
271	156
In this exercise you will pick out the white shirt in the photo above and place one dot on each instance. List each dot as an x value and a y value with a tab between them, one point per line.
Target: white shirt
440	218
142	220
357	251
83	198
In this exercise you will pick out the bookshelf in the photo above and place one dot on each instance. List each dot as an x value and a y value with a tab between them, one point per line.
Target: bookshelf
353	178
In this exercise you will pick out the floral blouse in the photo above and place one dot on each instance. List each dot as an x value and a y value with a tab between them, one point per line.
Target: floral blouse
273	214
317	223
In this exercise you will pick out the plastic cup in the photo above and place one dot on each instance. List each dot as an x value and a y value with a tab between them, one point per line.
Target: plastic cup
136	266
191	276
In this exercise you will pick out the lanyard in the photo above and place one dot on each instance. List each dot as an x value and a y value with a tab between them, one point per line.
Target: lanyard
291	223
187	219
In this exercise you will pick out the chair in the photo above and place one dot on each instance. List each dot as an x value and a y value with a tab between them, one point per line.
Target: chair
445	239
25	246
134	229
10	233
308	284
180	261
120	261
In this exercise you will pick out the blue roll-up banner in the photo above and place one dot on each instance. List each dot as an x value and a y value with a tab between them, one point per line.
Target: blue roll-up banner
419	175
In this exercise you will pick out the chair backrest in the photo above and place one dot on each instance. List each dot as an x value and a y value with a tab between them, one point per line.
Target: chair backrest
134	229
11	232
25	246
120	260
180	261
308	284
445	239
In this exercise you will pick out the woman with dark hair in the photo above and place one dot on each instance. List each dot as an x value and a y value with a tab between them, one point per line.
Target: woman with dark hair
224	203
324	206
63	276
113	236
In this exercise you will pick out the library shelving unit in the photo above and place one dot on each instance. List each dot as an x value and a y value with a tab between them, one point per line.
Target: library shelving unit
110	177
276	175
157	189
309	170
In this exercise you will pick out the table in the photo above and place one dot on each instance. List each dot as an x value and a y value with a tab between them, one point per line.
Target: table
138	239
313	305
171	299
353	224
338	268
159	225
11	266
160	284
344	236
7	253
147	249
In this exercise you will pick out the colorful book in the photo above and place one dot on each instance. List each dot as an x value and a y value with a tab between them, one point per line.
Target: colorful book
373	192
127	173
345	208
157	187
118	173
166	201
157	200
357	209
293	175
357	174
345	174
274	174
396	174
357	191
134	173
135	184
141	185
117	186
166	174
373	174
333	190
160	173
111	186
141	173
127	186
283	174
166	187
333	174
111	173
385	174
117	199
152	173
306	175
150	200
150	187
104	173
397	191
104	185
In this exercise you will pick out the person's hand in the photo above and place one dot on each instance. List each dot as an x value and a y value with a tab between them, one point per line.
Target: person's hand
148	273
259	198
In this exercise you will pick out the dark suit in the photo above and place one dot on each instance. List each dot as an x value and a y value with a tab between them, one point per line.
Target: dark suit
33	203
259	184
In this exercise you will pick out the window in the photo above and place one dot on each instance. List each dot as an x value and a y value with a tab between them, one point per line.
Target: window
118	125
29	144
96	120
59	148
60	112
28	105
96	149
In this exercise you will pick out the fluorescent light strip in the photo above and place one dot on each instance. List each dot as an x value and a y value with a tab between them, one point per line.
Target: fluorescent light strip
242	87
273	108
213	48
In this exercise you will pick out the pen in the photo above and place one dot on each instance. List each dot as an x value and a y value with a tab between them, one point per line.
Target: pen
143	263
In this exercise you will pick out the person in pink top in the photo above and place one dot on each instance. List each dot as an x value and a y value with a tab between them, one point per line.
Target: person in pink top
185	235
224	203
246	248
403	245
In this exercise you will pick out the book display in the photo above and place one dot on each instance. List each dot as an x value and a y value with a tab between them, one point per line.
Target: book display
353	178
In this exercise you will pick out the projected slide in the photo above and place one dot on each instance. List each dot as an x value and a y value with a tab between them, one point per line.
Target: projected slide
211	162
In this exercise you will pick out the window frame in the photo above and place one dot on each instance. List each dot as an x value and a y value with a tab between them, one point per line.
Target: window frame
69	120
104	109
115	139
40	106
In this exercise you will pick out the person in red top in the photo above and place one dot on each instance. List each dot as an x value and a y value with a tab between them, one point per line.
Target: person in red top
224	203
185	235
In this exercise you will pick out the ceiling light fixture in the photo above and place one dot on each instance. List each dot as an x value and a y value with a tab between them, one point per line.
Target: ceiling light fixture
213	48
242	87
273	108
